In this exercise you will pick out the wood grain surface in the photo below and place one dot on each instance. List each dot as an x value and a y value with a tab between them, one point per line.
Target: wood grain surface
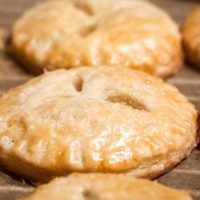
186	175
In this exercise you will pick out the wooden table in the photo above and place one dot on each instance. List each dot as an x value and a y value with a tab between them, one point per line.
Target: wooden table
185	176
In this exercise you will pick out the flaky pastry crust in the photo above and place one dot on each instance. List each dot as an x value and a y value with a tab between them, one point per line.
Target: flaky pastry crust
72	33
105	187
95	120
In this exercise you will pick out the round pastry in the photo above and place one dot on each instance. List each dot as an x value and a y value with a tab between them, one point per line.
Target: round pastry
191	37
72	33
98	119
106	187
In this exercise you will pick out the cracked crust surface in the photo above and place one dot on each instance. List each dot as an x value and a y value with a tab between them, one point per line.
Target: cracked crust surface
95	119
191	37
71	33
105	187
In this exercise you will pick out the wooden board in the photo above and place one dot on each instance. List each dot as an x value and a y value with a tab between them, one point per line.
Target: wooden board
185	176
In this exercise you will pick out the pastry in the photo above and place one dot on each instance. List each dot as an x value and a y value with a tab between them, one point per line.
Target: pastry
1	39
72	33
105	187
102	119
191	37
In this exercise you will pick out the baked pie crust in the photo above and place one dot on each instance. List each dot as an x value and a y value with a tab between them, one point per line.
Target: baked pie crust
106	187
101	119
72	33
191	37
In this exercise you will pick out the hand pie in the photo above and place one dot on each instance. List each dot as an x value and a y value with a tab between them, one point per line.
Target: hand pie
72	33
191	37
100	119
105	187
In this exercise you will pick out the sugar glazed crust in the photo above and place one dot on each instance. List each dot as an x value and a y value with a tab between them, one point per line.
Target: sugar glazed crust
191	37
71	33
99	119
106	187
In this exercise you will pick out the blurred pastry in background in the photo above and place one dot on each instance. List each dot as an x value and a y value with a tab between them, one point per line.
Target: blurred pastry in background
71	33
95	119
105	186
191	37
1	39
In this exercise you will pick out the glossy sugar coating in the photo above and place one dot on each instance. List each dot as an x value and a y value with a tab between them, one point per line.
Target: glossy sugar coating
105	187
94	119
191	37
72	33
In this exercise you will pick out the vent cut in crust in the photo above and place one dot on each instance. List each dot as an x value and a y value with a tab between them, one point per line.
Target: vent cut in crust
72	33
99	119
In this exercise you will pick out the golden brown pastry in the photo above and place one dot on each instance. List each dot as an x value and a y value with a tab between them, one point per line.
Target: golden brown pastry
99	119
1	39
71	33
191	37
105	187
